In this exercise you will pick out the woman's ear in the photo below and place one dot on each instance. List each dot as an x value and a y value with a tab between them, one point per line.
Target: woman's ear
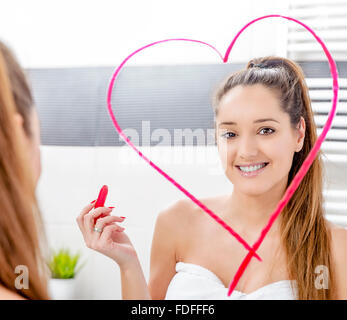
301	129
19	121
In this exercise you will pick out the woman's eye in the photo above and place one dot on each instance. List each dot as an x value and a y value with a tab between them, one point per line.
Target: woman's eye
228	135
267	129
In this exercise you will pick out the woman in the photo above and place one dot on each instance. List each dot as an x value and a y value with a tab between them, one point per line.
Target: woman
264	130
21	232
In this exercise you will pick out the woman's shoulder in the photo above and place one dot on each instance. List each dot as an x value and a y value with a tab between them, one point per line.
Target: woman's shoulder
338	240
186	210
6	294
339	249
178	212
338	233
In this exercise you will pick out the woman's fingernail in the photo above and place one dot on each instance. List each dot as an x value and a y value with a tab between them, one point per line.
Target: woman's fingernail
111	207
92	201
123	217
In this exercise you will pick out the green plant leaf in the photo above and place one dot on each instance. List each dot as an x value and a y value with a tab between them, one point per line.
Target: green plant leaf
63	264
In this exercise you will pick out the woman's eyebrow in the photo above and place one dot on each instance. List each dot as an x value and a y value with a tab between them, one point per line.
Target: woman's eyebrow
256	121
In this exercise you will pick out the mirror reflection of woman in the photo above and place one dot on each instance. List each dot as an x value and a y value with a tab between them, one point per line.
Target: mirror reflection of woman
264	130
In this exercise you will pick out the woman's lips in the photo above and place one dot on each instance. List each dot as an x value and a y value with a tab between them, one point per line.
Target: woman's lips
252	173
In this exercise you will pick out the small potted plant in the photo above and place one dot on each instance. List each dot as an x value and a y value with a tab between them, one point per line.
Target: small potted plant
63	267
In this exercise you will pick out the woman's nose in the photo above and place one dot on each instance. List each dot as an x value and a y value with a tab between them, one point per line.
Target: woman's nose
247	147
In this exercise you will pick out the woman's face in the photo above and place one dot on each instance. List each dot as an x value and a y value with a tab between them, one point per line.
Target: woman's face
251	129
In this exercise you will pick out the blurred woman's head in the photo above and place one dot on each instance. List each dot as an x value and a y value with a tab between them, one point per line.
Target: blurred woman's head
21	229
26	115
274	88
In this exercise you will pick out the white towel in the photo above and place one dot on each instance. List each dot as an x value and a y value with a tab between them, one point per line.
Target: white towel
193	281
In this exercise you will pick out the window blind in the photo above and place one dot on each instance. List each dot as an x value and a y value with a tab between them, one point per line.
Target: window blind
329	21
334	147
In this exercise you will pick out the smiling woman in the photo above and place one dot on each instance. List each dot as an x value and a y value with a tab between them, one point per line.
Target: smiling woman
264	131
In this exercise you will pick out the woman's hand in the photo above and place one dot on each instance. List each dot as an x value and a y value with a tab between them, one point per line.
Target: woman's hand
110	239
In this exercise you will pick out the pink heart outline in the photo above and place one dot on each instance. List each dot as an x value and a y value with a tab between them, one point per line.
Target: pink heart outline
297	178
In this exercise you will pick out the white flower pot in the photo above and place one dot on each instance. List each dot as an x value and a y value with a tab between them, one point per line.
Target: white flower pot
62	289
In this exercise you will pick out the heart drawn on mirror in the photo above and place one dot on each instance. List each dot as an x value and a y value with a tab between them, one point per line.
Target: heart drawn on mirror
297	178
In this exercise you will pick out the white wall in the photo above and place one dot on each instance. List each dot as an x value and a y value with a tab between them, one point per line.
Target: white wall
103	32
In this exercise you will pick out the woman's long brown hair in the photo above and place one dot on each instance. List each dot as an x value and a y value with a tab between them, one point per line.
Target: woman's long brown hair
305	234
21	230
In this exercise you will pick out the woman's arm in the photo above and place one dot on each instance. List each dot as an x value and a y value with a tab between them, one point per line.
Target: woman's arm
168	230
134	285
